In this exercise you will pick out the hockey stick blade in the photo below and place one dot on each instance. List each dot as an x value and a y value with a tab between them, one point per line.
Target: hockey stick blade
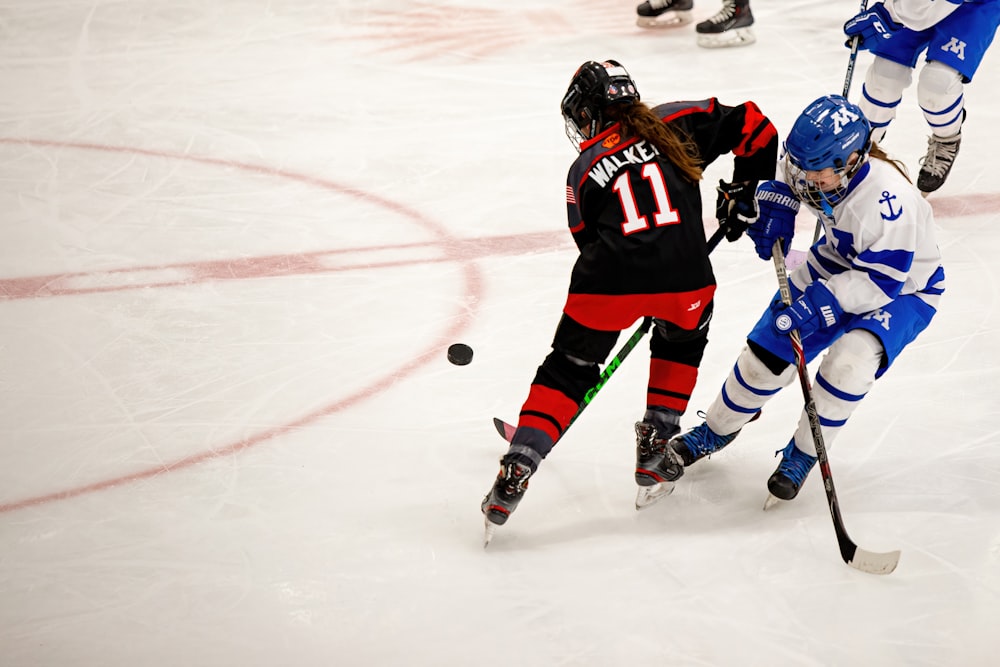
505	430
869	562
872	562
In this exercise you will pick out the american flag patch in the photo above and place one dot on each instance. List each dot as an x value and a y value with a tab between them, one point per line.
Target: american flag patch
570	195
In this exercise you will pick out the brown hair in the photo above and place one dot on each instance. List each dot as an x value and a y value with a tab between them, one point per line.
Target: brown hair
876	152
638	120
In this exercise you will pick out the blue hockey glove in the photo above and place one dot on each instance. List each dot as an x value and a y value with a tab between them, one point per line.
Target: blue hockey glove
817	308
736	208
871	27
778	208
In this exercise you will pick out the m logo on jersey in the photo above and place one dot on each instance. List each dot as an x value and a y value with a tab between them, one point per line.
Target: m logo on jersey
880	316
841	117
613	140
955	46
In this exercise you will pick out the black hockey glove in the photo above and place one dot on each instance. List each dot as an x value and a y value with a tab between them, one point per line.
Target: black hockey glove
736	207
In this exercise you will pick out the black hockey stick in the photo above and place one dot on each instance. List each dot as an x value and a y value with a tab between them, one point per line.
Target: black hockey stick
855	43
506	430
866	561
848	78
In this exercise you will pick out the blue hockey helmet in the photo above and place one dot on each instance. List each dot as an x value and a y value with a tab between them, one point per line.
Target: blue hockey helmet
826	135
595	86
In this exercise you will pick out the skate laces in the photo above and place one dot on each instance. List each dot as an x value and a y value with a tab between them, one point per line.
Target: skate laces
795	464
940	154
515	478
652	441
646	440
702	441
727	12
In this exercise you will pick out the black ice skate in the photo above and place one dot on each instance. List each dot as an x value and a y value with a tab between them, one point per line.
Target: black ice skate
937	164
507	491
730	27
664	13
785	482
656	465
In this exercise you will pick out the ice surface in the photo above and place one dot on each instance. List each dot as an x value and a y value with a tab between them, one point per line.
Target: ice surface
238	238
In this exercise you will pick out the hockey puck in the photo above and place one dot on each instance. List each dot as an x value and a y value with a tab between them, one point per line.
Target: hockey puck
459	354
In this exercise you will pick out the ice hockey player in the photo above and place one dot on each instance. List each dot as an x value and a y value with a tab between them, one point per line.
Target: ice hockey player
868	287
953	35
634	209
729	27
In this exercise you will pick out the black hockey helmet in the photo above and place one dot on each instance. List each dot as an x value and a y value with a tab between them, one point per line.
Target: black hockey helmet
595	87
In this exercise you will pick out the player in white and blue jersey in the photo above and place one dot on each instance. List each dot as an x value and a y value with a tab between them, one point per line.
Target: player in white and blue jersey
869	286
953	36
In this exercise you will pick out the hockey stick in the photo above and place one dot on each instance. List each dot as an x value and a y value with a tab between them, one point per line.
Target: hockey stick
860	559
506	430
855	43
848	78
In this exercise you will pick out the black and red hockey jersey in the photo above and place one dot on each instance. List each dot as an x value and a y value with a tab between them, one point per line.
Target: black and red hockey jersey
638	223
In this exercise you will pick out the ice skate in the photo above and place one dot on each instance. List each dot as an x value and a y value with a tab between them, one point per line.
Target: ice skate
507	491
664	13
656	465
937	164
698	443
730	27
791	473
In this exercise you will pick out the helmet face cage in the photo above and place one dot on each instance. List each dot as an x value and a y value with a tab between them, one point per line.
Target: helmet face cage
810	191
595	86
826	135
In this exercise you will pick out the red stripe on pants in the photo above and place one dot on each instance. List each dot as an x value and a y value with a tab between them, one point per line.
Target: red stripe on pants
551	402
676	380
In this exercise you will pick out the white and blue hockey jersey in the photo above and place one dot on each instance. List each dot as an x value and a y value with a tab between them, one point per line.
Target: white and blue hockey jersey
879	244
922	14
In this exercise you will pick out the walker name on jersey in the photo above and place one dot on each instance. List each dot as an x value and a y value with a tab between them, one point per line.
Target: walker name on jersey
638	153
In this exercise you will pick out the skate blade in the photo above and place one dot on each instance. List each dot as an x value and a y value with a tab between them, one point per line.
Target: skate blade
490	529
649	495
771	501
722	40
665	20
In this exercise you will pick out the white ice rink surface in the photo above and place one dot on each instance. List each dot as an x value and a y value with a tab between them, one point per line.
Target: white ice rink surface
237	238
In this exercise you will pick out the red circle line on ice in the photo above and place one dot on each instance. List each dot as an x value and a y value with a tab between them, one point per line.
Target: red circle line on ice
51	286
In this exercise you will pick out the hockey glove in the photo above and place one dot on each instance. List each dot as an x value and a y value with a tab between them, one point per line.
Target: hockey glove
817	308
736	208
871	27
778	208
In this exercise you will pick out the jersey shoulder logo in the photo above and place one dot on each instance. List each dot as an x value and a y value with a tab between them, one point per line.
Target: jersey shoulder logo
889	212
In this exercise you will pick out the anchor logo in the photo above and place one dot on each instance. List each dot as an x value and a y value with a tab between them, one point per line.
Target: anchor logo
887	199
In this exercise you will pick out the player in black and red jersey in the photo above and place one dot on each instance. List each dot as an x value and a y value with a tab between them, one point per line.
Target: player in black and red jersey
635	212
